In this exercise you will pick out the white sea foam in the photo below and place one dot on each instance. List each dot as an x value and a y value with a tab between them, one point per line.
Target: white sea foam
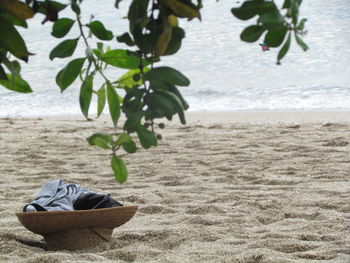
226	74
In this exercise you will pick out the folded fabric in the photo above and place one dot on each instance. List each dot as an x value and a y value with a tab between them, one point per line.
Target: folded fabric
58	196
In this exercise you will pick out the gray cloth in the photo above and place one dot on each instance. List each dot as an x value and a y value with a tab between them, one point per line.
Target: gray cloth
57	196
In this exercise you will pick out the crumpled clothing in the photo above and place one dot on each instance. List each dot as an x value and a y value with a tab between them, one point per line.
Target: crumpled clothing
58	196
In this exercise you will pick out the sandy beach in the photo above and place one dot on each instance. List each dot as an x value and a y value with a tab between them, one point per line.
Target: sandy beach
247	187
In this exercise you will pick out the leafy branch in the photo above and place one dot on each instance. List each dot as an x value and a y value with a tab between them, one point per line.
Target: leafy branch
151	91
276	26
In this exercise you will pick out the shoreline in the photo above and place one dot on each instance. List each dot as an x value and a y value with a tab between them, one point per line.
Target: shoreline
229	117
271	117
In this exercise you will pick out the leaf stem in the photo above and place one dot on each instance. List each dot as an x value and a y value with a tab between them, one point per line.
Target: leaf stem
82	34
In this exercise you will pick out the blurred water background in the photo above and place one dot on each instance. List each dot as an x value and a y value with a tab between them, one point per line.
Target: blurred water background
226	74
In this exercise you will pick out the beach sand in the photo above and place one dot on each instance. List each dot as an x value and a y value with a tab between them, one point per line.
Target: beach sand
227	187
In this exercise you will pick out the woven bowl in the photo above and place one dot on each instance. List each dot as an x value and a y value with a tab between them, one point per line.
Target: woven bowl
79	229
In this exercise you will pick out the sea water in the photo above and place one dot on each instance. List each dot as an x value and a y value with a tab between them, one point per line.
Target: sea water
226	74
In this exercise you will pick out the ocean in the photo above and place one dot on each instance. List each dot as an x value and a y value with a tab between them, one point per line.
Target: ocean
226	74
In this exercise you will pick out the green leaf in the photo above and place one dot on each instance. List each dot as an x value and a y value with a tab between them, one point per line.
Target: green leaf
18	9
156	84
119	169
143	41
274	38
272	20
123	138
98	53
129	147
301	43
113	103
283	51
133	120
99	30
101	140
126	38
15	20
252	33
286	4
100	46
163	40
128	80
175	90
294	11
86	95
167	74
3	75
16	83
167	102
183	8
101	100
302	24
147	138
15	67
50	6
61	27
64	49
116	4
137	12
248	10
157	100
176	103
175	42
12	41
75	7
69	73
122	59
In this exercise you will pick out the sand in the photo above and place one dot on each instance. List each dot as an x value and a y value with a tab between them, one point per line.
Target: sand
227	187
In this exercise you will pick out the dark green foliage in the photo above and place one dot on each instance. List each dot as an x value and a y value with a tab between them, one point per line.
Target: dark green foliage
69	73
252	33
302	24
274	38
113	103
248	10
86	95
175	42
116	5
61	27
175	90
301	43
126	38
167	74
15	20
119	169
123	138
121	58
3	75
147	138
64	49
137	14
129	147
271	20
12	41
15	83
101	140
75	7
99	30
101	100
151	91
284	49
